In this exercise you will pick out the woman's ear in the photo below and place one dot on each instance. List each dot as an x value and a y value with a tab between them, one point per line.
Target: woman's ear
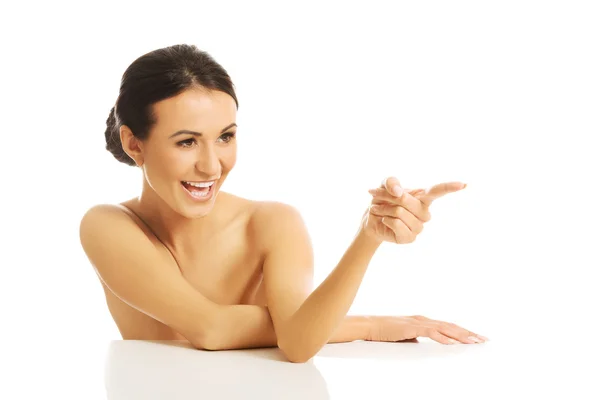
132	146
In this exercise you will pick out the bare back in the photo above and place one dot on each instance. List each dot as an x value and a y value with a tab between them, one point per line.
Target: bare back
226	270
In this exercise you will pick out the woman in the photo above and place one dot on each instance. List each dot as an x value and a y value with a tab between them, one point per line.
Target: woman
186	261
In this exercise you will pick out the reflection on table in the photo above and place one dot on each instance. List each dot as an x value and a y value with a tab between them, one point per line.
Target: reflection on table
175	370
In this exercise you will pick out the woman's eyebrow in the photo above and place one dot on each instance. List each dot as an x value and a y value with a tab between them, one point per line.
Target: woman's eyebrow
186	131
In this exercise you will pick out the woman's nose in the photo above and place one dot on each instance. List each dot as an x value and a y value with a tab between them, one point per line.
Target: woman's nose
208	162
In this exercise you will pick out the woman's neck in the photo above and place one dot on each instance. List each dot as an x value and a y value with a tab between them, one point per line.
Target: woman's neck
175	230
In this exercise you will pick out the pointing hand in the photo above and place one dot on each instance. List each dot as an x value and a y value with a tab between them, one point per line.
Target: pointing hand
398	217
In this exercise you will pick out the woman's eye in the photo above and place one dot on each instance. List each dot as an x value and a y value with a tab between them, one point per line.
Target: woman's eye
229	136
186	143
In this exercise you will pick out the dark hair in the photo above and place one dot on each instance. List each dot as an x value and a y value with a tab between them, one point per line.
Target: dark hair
156	76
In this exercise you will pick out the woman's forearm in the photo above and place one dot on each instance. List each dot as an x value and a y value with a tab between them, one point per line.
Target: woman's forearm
319	318
250	326
240	326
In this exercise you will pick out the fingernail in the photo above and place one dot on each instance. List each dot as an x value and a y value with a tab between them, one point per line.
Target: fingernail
475	339
398	191
373	191
452	341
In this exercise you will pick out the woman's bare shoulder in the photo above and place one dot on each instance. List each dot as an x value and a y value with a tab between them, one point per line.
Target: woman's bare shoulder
119	213
106	209
266	211
269	217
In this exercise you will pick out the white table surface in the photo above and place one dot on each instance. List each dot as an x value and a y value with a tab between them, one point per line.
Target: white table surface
529	369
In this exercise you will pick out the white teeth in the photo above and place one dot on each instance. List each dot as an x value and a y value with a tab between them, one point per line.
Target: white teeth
200	184
198	194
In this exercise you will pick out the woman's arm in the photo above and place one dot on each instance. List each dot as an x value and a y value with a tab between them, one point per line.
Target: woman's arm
303	321
128	263
304	324
249	326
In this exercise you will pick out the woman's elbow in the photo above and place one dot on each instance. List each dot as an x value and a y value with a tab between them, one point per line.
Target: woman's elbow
207	342
198	342
207	336
299	360
296	352
203	340
296	357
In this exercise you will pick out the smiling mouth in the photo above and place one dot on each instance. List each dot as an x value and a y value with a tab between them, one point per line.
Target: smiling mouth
198	191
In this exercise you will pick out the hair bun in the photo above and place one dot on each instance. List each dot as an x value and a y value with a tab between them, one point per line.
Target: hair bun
113	139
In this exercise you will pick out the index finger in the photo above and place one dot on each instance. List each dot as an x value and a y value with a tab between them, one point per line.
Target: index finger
439	190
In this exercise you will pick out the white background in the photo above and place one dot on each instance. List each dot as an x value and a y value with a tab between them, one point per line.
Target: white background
334	97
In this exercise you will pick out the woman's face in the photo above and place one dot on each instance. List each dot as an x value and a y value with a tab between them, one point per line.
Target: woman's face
170	158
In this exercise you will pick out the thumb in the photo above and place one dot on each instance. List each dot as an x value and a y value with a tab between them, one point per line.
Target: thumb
392	186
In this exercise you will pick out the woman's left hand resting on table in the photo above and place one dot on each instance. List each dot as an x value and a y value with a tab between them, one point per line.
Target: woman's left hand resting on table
397	329
397	228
